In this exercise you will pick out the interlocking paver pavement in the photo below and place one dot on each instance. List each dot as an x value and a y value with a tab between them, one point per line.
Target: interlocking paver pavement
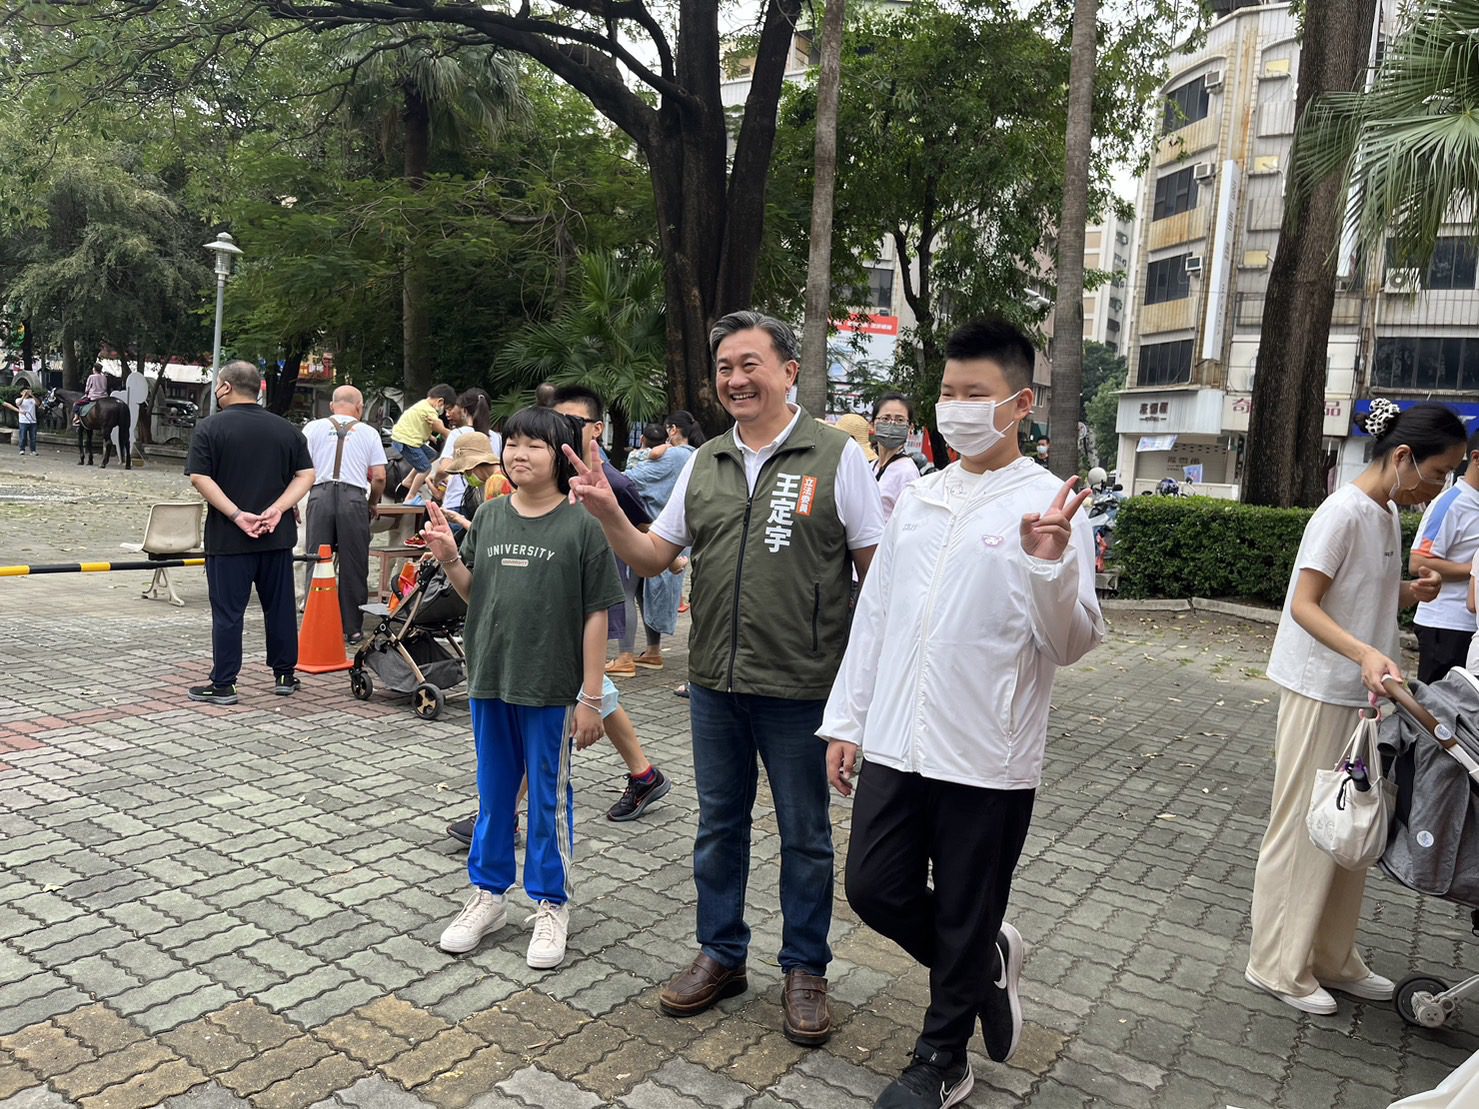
209	907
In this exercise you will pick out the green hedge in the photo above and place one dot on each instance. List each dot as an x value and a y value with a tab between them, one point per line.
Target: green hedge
1203	547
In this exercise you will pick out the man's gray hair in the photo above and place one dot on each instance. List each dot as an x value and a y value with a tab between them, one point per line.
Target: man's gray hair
781	335
243	377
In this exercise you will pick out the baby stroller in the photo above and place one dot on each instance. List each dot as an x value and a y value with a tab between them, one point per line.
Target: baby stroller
416	649
1430	748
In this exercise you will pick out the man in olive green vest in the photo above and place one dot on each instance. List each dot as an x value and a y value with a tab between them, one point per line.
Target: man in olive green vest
779	514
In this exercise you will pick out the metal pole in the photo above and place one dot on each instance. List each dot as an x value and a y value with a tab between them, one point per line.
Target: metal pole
216	348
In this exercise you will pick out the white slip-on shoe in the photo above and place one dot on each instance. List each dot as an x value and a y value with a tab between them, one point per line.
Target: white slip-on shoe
1319	1003
551	926
483	913
1371	988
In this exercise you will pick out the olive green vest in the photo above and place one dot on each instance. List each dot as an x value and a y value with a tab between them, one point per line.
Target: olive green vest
772	578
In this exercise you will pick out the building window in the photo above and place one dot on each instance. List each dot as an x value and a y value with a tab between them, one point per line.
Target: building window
1111	324
1174	193
1167	280
1408	362
879	292
1187	104
1166	363
1454	265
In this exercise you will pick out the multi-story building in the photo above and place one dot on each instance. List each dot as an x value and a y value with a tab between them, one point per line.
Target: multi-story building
1108	246
1208	225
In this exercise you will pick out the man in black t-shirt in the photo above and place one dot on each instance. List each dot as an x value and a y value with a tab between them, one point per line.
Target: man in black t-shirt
252	467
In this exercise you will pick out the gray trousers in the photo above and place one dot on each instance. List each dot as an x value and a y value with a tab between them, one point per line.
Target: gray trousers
339	515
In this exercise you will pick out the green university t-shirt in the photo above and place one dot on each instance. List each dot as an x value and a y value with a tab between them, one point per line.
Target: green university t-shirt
534	581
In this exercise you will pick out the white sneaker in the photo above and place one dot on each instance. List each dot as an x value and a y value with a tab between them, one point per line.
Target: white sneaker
1320	1003
483	913
1371	988
551	926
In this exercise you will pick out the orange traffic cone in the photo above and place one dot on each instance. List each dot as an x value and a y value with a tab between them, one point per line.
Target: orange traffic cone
321	639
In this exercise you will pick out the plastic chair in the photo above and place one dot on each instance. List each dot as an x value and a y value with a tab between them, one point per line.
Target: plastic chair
175	530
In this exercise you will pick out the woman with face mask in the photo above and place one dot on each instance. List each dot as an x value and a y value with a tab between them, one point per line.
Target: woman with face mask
1336	643
893	418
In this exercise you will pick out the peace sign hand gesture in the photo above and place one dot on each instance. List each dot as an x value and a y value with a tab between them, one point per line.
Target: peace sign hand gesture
1045	535
589	486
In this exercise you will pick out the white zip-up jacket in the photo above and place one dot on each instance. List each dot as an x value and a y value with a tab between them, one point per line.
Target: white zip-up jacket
958	633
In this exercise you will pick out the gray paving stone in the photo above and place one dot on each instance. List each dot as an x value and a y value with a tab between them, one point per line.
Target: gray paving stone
377	1093
39	1098
537	1087
209	1096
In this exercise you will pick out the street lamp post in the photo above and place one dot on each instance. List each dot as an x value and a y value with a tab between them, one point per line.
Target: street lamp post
226	252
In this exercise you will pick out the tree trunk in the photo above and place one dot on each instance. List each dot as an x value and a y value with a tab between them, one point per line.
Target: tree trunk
287	382
811	385
1065	401
621	435
417	365
71	370
1286	457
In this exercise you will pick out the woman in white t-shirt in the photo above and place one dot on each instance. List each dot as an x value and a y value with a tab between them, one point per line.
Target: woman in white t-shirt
1336	642
470	413
893	418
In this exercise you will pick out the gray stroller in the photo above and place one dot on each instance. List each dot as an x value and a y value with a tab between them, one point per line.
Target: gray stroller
417	649
1430	748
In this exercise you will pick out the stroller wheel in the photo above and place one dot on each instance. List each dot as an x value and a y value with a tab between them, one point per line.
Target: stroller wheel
1414	1000
361	684
427	701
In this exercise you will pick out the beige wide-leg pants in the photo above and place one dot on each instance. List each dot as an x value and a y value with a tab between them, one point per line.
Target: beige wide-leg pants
1305	906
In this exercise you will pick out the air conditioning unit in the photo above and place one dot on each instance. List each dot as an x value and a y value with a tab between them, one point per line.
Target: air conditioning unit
1204	171
1403	282
1194	264
1213	80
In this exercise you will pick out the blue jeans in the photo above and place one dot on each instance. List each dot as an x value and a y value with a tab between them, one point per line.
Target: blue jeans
729	731
418	458
28	435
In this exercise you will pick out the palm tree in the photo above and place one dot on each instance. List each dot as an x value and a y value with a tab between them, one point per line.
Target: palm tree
1068	316
610	335
1409	145
417	86
1286	455
811	388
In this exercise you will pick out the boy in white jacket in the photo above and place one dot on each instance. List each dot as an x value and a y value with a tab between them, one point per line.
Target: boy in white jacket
981	588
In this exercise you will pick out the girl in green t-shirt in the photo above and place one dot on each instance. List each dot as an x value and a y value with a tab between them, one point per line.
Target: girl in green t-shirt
538	578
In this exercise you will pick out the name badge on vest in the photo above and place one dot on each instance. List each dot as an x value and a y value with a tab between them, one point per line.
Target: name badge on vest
794	495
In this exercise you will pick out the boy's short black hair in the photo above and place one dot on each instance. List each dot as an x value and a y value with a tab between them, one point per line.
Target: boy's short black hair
594	406
442	392
1003	343
653	434
537	422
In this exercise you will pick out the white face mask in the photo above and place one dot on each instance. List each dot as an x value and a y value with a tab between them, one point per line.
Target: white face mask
970	426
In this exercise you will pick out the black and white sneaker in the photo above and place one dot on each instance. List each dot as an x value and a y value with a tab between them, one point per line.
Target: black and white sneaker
929	1082
638	795
285	685
1001	1017
213	694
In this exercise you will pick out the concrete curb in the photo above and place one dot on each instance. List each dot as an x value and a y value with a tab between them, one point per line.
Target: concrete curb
1251	613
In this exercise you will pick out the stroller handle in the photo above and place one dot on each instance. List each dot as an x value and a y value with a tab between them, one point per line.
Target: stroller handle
1400	694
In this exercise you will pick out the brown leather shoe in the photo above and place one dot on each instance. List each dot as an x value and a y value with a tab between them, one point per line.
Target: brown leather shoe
699	987
808	1016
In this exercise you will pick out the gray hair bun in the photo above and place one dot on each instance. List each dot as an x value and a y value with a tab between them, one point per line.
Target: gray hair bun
1381	417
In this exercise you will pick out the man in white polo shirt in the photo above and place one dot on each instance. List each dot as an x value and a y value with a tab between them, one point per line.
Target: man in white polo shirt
1447	542
349	461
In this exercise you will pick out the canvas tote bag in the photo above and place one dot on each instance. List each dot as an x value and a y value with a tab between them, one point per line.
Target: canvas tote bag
1347	823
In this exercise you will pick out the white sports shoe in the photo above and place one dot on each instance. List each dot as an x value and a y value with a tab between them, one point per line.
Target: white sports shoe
1320	1003
483	913
1371	988
551	926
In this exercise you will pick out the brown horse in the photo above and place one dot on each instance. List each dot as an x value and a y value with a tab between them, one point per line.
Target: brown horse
106	415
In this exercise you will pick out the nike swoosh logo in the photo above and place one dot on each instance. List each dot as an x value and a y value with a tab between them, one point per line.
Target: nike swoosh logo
1001	979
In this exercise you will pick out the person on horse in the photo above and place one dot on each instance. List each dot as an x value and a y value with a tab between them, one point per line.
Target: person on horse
95	389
